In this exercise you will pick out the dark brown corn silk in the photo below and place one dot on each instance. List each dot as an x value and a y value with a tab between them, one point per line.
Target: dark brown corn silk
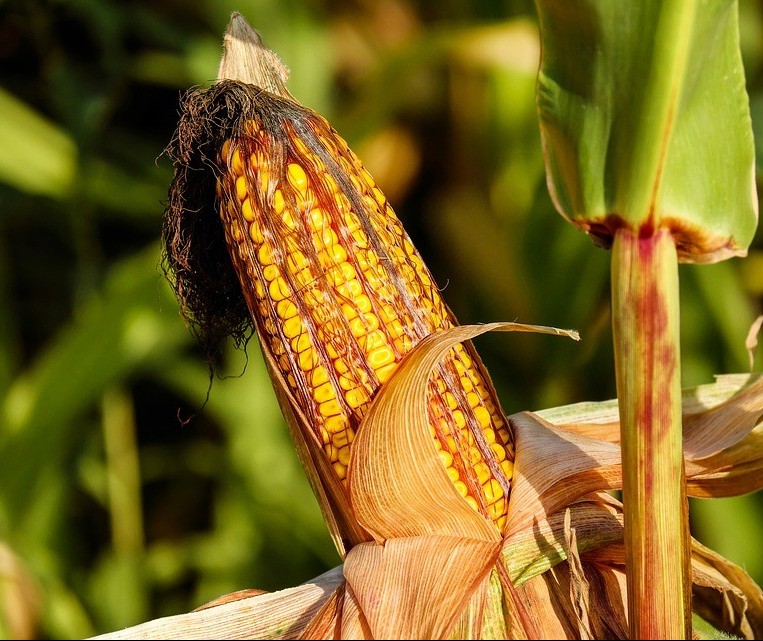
311	251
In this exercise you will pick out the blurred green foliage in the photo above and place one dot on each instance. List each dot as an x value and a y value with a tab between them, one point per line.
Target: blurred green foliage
133	485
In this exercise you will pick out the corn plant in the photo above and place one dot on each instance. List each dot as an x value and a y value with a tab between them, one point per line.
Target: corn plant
453	520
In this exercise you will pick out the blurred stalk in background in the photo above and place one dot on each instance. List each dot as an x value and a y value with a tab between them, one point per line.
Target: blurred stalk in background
97	371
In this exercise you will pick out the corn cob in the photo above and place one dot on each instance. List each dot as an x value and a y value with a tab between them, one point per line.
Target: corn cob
340	295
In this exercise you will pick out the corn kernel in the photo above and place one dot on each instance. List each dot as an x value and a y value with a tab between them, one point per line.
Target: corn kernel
329	408
270	273
247	211
493	490
355	398
482	416
279	289
236	164
241	189
278	201
297	177
344	455
380	356
384	373
335	424
293	327
286	309
255	233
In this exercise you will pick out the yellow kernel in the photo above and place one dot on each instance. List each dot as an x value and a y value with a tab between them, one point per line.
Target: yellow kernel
493	490
360	238
472	503
450	443
498	451
459	418
403	344
332	452
461	488
241	190
340	439
259	290
473	453
301	343
501	522
395	329
483	472
507	467
319	376
288	219
318	218
286	309
365	324
327	236
344	455
497	508
235	229
279	289
307	359
333	255
381	356
225	151
255	233
341	366
323	392
325	437
350	289
482	416
373	340
330	184
293	327
363	304
452	474
335	424
270	272
329	408
355	398
471	397
446	458
489	435
265	255
246	209
297	176
384	373
278	201
296	261
349	311
236	164
340	470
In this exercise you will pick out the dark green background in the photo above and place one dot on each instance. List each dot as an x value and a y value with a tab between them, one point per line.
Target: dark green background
123	495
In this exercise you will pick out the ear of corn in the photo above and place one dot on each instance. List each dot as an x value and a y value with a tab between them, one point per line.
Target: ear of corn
340	295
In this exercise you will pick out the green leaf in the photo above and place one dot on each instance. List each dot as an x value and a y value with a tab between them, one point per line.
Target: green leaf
36	156
646	121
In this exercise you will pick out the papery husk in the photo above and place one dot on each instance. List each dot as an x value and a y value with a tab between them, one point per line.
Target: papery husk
272	615
430	546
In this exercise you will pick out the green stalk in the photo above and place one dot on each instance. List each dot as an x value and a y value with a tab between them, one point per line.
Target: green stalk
645	310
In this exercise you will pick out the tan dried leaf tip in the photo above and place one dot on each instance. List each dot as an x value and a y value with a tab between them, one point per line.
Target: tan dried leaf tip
247	59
